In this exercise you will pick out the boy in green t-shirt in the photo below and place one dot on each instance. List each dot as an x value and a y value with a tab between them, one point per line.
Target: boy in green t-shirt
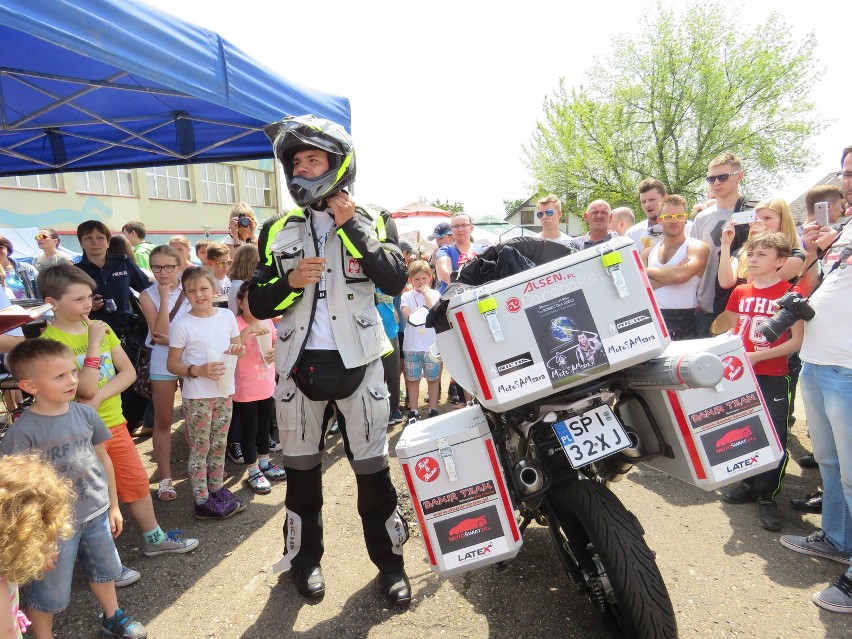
104	371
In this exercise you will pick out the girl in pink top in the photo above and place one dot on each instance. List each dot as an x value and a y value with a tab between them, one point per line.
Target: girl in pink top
254	406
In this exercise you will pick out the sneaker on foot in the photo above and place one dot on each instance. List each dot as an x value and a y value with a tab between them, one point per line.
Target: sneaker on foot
174	543
395	417
811	503
126	577
235	453
837	597
274	472
258	483
768	512
121	624
413	416
274	446
740	494
214	509
227	498
816	545
433	412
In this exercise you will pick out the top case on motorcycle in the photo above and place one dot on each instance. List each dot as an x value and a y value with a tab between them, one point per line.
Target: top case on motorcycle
554	326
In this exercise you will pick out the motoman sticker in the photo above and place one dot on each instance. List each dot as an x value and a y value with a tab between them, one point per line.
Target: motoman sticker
521	382
636	341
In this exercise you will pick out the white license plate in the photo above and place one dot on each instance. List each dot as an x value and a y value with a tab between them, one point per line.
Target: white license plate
595	434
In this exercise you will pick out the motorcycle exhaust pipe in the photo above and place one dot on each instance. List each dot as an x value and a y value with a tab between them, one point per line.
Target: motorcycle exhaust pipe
614	468
529	476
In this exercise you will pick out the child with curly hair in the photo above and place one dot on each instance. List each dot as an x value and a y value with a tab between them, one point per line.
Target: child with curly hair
70	437
35	513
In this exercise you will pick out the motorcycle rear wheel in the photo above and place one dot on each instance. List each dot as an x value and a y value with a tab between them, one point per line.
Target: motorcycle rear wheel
602	541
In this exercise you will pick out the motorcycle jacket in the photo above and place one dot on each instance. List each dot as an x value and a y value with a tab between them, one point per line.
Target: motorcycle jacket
361	255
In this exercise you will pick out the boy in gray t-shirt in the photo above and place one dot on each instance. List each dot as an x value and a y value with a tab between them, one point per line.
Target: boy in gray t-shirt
71	436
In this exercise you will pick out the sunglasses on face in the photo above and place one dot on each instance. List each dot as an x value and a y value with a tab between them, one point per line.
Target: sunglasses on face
224	264
43	236
722	178
548	213
166	268
673	217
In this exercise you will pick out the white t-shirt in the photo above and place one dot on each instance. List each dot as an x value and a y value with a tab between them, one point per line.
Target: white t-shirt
707	227
417	338
827	339
195	335
223	286
321	336
160	352
563	239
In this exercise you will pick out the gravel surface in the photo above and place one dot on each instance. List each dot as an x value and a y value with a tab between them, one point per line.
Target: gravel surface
727	577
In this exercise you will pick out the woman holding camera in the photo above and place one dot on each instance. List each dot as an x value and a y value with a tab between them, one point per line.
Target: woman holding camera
242	227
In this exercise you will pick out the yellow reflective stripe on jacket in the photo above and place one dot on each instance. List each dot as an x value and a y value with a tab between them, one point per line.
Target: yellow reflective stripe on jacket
273	231
292	297
354	252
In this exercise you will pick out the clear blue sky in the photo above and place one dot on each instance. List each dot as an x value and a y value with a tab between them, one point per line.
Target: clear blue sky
444	94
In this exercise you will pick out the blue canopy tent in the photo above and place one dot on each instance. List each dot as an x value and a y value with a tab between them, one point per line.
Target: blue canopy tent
106	84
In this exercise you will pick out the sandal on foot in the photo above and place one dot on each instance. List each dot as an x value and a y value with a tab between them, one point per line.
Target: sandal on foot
166	492
259	483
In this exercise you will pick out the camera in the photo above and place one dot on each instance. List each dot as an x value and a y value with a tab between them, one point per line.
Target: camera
793	308
109	305
244	221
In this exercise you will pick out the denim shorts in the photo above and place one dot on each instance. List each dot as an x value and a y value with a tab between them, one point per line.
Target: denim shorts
93	543
421	364
155	377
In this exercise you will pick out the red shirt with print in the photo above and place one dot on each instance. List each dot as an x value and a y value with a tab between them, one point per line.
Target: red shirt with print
754	306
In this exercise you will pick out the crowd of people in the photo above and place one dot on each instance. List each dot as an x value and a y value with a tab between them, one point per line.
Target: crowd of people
300	325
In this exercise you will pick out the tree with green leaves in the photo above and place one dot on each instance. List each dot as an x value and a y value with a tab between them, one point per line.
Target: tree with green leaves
454	207
664	106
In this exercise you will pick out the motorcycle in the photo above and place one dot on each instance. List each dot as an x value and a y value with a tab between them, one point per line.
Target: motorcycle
600	543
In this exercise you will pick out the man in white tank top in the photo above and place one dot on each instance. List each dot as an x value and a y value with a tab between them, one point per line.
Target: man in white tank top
675	267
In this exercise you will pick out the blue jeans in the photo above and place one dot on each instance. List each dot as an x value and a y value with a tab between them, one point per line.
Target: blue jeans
827	394
93	543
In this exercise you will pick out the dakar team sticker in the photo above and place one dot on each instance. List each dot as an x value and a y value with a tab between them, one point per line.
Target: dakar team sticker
733	368
427	469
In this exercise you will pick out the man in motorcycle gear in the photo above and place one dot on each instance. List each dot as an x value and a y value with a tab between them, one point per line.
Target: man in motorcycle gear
319	269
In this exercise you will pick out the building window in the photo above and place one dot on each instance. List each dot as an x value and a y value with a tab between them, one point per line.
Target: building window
118	182
46	182
527	218
217	181
92	182
169	183
258	187
126	185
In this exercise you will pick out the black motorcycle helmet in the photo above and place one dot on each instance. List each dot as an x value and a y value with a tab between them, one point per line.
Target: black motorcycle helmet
299	133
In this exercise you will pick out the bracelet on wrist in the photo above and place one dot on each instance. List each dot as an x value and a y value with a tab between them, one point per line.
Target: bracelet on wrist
92	362
189	372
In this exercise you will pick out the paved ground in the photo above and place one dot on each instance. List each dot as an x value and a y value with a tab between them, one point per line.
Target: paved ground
727	577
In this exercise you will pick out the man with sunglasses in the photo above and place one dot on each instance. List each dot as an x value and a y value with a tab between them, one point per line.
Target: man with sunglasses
675	266
724	176
598	214
549	213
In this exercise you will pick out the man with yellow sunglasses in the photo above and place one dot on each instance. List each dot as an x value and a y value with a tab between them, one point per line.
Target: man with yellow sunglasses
675	267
